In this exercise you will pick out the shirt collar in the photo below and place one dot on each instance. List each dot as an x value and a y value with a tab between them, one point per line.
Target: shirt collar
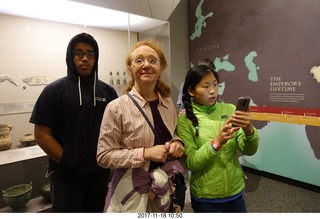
204	108
142	102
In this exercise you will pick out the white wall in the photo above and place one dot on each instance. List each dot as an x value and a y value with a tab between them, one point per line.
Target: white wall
179	41
158	9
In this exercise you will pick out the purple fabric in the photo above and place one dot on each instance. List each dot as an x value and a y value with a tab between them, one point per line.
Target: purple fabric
143	181
117	175
159	190
164	207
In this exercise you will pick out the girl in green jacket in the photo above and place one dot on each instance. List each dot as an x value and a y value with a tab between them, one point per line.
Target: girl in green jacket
212	133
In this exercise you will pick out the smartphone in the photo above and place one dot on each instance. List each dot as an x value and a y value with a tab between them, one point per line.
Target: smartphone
243	104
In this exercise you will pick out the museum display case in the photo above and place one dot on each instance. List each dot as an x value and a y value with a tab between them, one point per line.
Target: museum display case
34	55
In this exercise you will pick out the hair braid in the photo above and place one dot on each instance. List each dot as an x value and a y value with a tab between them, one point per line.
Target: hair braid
189	112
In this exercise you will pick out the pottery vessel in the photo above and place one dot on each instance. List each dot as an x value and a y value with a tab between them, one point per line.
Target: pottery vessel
28	140
45	192
16	197
5	139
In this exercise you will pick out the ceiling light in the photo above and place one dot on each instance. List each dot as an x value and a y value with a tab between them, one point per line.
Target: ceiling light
76	13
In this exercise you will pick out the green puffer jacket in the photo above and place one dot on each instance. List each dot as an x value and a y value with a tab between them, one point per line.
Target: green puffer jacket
214	174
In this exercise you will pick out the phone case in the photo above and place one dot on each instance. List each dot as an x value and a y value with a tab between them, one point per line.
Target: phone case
243	104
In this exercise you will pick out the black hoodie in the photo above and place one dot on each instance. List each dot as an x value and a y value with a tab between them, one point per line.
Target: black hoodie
73	108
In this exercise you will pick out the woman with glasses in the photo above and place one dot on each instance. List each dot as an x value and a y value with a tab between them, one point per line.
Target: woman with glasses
67	117
143	160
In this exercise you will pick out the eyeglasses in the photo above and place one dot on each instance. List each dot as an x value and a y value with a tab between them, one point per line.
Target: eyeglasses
79	54
141	61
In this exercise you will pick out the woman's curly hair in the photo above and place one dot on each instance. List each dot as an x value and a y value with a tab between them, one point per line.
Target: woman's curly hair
162	87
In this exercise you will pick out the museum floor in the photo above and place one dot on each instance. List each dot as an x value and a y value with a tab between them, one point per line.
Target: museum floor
270	194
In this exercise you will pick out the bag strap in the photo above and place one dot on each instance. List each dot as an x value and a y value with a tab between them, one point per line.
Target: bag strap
145	116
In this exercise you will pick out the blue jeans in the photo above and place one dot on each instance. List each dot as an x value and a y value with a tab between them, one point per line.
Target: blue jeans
235	206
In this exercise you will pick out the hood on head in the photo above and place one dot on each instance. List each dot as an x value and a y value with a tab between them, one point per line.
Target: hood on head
72	71
81	38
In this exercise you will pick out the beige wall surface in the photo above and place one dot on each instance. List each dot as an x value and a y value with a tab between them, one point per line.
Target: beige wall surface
179	38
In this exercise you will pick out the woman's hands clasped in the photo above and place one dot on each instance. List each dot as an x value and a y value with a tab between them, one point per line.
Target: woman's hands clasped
160	153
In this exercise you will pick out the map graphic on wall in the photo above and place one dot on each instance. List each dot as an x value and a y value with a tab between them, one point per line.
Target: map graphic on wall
268	50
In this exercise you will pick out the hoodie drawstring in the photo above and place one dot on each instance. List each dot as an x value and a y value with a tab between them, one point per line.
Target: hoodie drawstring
79	87
94	89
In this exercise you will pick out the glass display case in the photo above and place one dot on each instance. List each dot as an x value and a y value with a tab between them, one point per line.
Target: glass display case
33	55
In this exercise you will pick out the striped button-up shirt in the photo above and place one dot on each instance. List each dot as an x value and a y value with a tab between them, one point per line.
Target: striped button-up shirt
125	133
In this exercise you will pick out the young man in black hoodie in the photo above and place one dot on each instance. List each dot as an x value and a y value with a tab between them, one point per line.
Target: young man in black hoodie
67	118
